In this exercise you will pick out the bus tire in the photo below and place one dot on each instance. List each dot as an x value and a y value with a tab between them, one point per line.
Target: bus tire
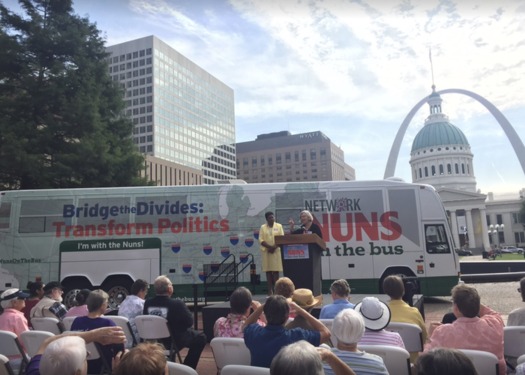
118	289
71	289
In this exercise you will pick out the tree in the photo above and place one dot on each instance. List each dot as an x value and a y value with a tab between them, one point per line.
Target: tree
61	115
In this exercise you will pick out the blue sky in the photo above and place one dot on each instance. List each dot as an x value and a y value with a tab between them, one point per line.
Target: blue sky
350	68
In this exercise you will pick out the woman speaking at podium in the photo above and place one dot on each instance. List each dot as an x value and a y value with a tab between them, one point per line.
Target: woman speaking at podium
307	224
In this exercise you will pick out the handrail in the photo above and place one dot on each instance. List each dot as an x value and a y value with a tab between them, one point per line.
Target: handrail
229	272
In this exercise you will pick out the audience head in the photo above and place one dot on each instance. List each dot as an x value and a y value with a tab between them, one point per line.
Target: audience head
66	355
299	358
163	286
394	287
13	298
81	297
240	300
138	286
54	290
340	288
466	299
522	288
276	310
375	313
143	359
284	287
97	300
348	326
305	298
444	361
36	289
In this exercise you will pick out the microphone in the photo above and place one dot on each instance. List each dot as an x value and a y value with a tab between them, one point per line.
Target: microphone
303	228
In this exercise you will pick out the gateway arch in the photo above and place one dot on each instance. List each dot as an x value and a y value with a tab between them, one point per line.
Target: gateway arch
512	136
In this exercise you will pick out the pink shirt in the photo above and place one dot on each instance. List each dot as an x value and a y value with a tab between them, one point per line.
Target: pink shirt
14	321
81	310
484	333
381	338
231	326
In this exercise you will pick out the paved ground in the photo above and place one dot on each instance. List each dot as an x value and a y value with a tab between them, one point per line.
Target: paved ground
502	297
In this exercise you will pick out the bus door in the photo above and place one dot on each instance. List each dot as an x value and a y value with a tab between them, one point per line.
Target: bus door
438	251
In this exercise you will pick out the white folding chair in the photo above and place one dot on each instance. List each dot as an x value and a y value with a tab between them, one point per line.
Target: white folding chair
5	366
94	350
180	369
68	322
33	339
47	324
229	351
410	333
11	347
514	341
244	370
123	322
328	324
152	327
521	359
397	360
485	363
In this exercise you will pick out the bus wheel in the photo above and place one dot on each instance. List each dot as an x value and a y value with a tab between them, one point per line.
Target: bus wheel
117	289
71	292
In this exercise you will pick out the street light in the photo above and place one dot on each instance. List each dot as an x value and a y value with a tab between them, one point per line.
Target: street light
495	229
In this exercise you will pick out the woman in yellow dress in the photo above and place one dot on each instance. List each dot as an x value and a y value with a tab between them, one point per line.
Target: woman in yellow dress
270	253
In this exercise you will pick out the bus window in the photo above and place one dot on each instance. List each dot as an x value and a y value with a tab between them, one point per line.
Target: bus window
37	216
436	239
5	215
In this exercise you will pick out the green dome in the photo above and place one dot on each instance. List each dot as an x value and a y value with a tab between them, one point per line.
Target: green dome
438	134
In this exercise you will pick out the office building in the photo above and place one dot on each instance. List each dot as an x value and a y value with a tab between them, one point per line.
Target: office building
283	157
181	113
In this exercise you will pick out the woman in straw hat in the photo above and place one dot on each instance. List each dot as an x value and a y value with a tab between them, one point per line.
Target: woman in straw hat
304	298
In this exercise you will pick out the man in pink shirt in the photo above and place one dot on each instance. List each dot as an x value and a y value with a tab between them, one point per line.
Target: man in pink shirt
477	327
13	319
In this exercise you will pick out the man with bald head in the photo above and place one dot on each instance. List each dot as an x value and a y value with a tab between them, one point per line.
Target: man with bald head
180	320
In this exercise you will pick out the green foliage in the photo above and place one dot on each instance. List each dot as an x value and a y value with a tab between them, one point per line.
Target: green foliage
61	122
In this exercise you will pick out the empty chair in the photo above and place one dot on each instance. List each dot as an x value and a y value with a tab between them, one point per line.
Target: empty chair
68	322
397	360
154	328
229	351
244	370
47	324
485	363
33	339
180	369
123	322
5	366
11	347
514	341
328	324
410	333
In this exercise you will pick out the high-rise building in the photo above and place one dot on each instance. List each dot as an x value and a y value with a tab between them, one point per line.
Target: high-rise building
282	157
181	113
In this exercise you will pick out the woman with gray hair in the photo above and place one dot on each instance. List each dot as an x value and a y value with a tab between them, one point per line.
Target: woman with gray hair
307	224
302	358
348	327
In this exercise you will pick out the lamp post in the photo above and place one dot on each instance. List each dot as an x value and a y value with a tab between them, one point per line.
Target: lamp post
495	229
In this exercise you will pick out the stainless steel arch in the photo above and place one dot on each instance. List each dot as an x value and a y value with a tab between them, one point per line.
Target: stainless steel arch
512	136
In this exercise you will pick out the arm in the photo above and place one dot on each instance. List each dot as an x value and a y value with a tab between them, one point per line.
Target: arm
337	365
104	336
253	317
485	311
314	323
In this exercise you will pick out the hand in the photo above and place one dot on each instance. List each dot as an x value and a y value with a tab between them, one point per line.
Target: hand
291	222
255	304
432	327
324	353
109	335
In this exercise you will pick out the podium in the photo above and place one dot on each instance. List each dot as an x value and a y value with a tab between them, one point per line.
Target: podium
301	256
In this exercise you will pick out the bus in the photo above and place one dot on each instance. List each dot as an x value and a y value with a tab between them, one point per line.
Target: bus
108	237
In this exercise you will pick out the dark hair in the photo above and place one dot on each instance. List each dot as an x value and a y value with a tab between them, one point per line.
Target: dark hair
82	296
268	214
394	287
467	300
34	287
240	300
276	310
445	361
138	286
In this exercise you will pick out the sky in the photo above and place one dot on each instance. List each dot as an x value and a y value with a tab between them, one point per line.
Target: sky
350	68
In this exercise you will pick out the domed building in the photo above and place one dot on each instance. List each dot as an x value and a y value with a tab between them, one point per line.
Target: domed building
441	157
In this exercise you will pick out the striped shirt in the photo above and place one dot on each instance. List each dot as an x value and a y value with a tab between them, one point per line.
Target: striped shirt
381	338
362	363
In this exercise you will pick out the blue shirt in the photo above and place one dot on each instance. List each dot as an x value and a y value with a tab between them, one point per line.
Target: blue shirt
265	342
330	311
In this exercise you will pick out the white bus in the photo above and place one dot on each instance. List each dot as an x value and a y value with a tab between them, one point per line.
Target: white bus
108	237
